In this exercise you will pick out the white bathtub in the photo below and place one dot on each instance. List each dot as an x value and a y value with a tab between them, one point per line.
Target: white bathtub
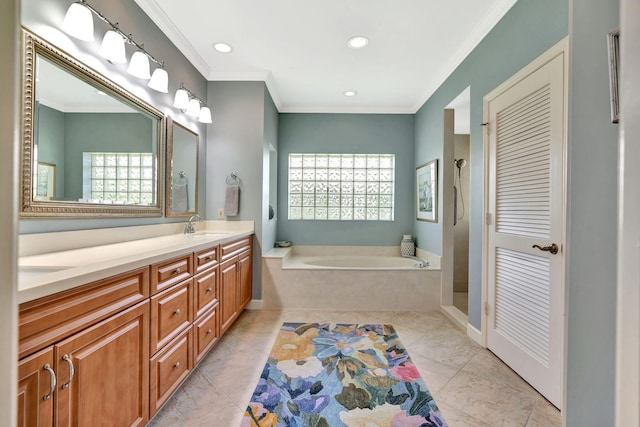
332	277
359	262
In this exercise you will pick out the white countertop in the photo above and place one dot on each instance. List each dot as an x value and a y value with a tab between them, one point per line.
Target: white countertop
48	273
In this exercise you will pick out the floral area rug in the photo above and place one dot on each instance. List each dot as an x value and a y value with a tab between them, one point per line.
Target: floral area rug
348	375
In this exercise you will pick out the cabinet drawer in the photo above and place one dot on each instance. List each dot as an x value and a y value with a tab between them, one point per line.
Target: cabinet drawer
231	249
206	332
46	320
206	259
168	273
169	368
171	312
206	289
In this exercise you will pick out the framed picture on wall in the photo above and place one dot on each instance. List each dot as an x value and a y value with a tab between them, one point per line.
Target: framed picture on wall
427	191
613	39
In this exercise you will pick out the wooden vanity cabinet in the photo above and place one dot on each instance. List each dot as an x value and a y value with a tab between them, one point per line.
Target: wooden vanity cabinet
121	346
36	385
100	333
235	280
103	372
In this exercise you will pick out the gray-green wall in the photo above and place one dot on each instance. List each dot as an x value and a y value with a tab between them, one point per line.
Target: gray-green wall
348	133
45	17
101	132
524	33
592	242
51	143
236	144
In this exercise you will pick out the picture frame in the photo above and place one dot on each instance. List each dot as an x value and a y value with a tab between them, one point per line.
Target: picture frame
613	47
45	181
427	191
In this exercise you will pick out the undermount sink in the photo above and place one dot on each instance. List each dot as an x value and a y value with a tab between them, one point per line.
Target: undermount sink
28	271
207	235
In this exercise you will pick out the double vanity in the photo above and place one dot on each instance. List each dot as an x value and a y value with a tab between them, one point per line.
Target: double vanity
107	333
112	321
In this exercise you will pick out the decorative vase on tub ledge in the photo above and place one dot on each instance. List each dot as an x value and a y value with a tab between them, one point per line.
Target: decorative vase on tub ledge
407	247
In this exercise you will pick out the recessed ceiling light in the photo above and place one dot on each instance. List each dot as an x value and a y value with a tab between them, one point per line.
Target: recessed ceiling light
350	93
357	42
99	92
222	47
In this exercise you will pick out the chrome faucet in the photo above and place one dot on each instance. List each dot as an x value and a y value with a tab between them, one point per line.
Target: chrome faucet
421	263
189	228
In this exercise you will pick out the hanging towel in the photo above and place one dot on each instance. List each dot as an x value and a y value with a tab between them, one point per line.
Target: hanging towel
179	198
231	200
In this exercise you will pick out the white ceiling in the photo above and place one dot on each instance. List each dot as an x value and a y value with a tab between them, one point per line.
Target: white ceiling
298	47
61	90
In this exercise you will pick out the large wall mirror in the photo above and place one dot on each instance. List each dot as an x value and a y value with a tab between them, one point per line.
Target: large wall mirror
182	170
90	148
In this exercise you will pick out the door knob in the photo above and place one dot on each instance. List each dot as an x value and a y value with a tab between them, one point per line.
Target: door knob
553	248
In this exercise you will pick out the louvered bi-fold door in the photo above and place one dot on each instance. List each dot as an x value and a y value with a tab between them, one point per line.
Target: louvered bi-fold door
526	193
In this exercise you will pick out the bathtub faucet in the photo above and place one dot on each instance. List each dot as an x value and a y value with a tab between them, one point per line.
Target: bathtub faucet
421	263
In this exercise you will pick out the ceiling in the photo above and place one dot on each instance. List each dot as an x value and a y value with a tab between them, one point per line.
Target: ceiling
61	90
299	47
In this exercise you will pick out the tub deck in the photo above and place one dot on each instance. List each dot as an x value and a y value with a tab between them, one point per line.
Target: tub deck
288	281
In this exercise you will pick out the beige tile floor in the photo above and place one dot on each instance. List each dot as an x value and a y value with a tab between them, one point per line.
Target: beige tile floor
471	386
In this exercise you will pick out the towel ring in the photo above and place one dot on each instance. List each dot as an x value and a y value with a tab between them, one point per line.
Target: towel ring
232	179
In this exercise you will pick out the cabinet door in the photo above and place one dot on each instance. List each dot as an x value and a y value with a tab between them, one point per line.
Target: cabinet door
246	276
228	293
36	385
103	372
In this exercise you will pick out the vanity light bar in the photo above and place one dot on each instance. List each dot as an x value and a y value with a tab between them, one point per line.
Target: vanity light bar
79	23
127	37
184	101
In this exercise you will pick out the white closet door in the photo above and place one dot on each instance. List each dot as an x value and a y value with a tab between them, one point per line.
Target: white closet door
525	303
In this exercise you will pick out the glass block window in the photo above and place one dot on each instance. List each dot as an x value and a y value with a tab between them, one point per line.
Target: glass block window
118	178
341	187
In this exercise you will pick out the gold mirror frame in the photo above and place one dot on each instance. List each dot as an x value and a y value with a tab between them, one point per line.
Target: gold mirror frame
171	124
38	209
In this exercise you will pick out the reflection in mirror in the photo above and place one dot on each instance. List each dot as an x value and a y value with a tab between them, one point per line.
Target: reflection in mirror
182	170
90	148
273	182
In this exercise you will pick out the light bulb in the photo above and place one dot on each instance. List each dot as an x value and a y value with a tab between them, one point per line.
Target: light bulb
139	66
193	109
112	48
181	101
78	22
205	115
159	80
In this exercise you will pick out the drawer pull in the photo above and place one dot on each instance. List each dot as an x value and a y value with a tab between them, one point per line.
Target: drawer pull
52	387
177	365
72	371
177	312
176	271
209	332
209	258
209	290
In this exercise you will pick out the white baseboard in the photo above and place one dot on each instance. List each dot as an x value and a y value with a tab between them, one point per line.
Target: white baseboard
255	304
458	318
474	334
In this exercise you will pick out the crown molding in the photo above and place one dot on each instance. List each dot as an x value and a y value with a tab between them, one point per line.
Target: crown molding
484	27
166	25
343	110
